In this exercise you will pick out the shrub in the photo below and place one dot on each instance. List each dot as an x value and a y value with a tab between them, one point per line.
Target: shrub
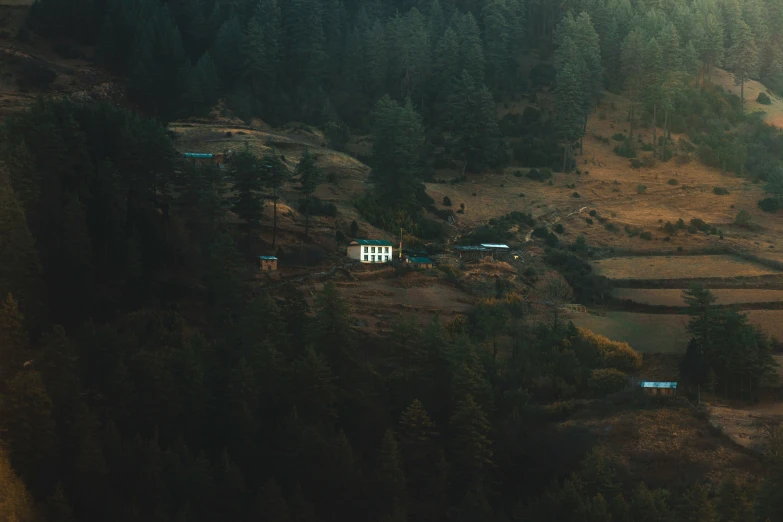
699	224
640	189
683	159
681	224
589	221
540	232
769	205
626	149
559	228
672	182
680	249
354	229
636	164
670	229
611	227
446	201
606	380
742	219
35	76
619	137
647	147
615	354
517	173
647	236
593	213
575	195
692	229
339	236
763	99
317	207
337	135
720	191
552	241
541	176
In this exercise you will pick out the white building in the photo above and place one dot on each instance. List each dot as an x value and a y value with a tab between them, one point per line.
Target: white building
371	250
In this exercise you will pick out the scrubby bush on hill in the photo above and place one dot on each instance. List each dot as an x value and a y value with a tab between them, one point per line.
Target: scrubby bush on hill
763	99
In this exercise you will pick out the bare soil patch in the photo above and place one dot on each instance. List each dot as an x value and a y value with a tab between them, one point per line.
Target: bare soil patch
678	267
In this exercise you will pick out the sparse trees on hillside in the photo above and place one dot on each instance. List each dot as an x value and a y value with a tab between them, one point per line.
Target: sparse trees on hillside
633	63
568	98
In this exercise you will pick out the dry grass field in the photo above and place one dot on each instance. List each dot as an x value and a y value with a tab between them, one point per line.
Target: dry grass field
771	321
678	267
669	447
773	113
673	297
647	333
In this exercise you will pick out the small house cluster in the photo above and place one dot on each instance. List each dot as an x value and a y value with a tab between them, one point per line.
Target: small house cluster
482	251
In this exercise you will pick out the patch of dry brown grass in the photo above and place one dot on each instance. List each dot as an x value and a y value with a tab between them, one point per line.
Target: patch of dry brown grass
678	267
673	297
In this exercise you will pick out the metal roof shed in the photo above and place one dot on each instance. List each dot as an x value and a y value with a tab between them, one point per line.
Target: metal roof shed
372	242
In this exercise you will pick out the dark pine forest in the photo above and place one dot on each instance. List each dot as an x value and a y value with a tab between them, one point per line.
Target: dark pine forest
143	379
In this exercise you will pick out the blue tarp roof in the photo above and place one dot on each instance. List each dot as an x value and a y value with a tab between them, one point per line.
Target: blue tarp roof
420	260
373	242
197	155
651	384
267	258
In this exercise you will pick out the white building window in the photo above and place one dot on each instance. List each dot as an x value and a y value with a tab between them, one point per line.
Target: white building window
373	250
365	250
387	258
387	250
373	258
365	257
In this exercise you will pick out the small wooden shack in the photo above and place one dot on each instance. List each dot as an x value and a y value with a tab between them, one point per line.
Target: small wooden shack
471	252
659	388
205	158
268	263
419	262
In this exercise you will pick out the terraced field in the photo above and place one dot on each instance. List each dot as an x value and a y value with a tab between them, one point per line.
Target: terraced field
678	267
673	297
647	333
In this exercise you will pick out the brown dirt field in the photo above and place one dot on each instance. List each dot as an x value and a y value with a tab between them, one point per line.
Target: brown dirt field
665	267
670	445
647	333
746	425
773	112
671	297
771	321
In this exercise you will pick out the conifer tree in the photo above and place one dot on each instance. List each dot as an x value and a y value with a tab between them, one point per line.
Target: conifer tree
275	174
247	204
375	60
28	427
331	329
201	87
228	60
496	42
710	42
309	177
410	54
58	509
734	503
569	117
20	268
423	464
471	455
471	49
695	506
14	343
316	392
472	121
389	477
272	505
743	57
16	503
398	135
446	69
633	63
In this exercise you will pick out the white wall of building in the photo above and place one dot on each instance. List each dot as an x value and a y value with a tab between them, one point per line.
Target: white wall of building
371	254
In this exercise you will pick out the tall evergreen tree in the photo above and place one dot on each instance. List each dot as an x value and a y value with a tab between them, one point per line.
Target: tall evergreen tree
473	124
743	57
229	62
247	204
568	97
389	477
423	464
275	174
309	177
496	39
471	455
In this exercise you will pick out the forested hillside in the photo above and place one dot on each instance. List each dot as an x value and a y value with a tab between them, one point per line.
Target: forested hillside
144	375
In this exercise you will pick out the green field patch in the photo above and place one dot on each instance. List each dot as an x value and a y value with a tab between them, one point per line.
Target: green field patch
679	267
